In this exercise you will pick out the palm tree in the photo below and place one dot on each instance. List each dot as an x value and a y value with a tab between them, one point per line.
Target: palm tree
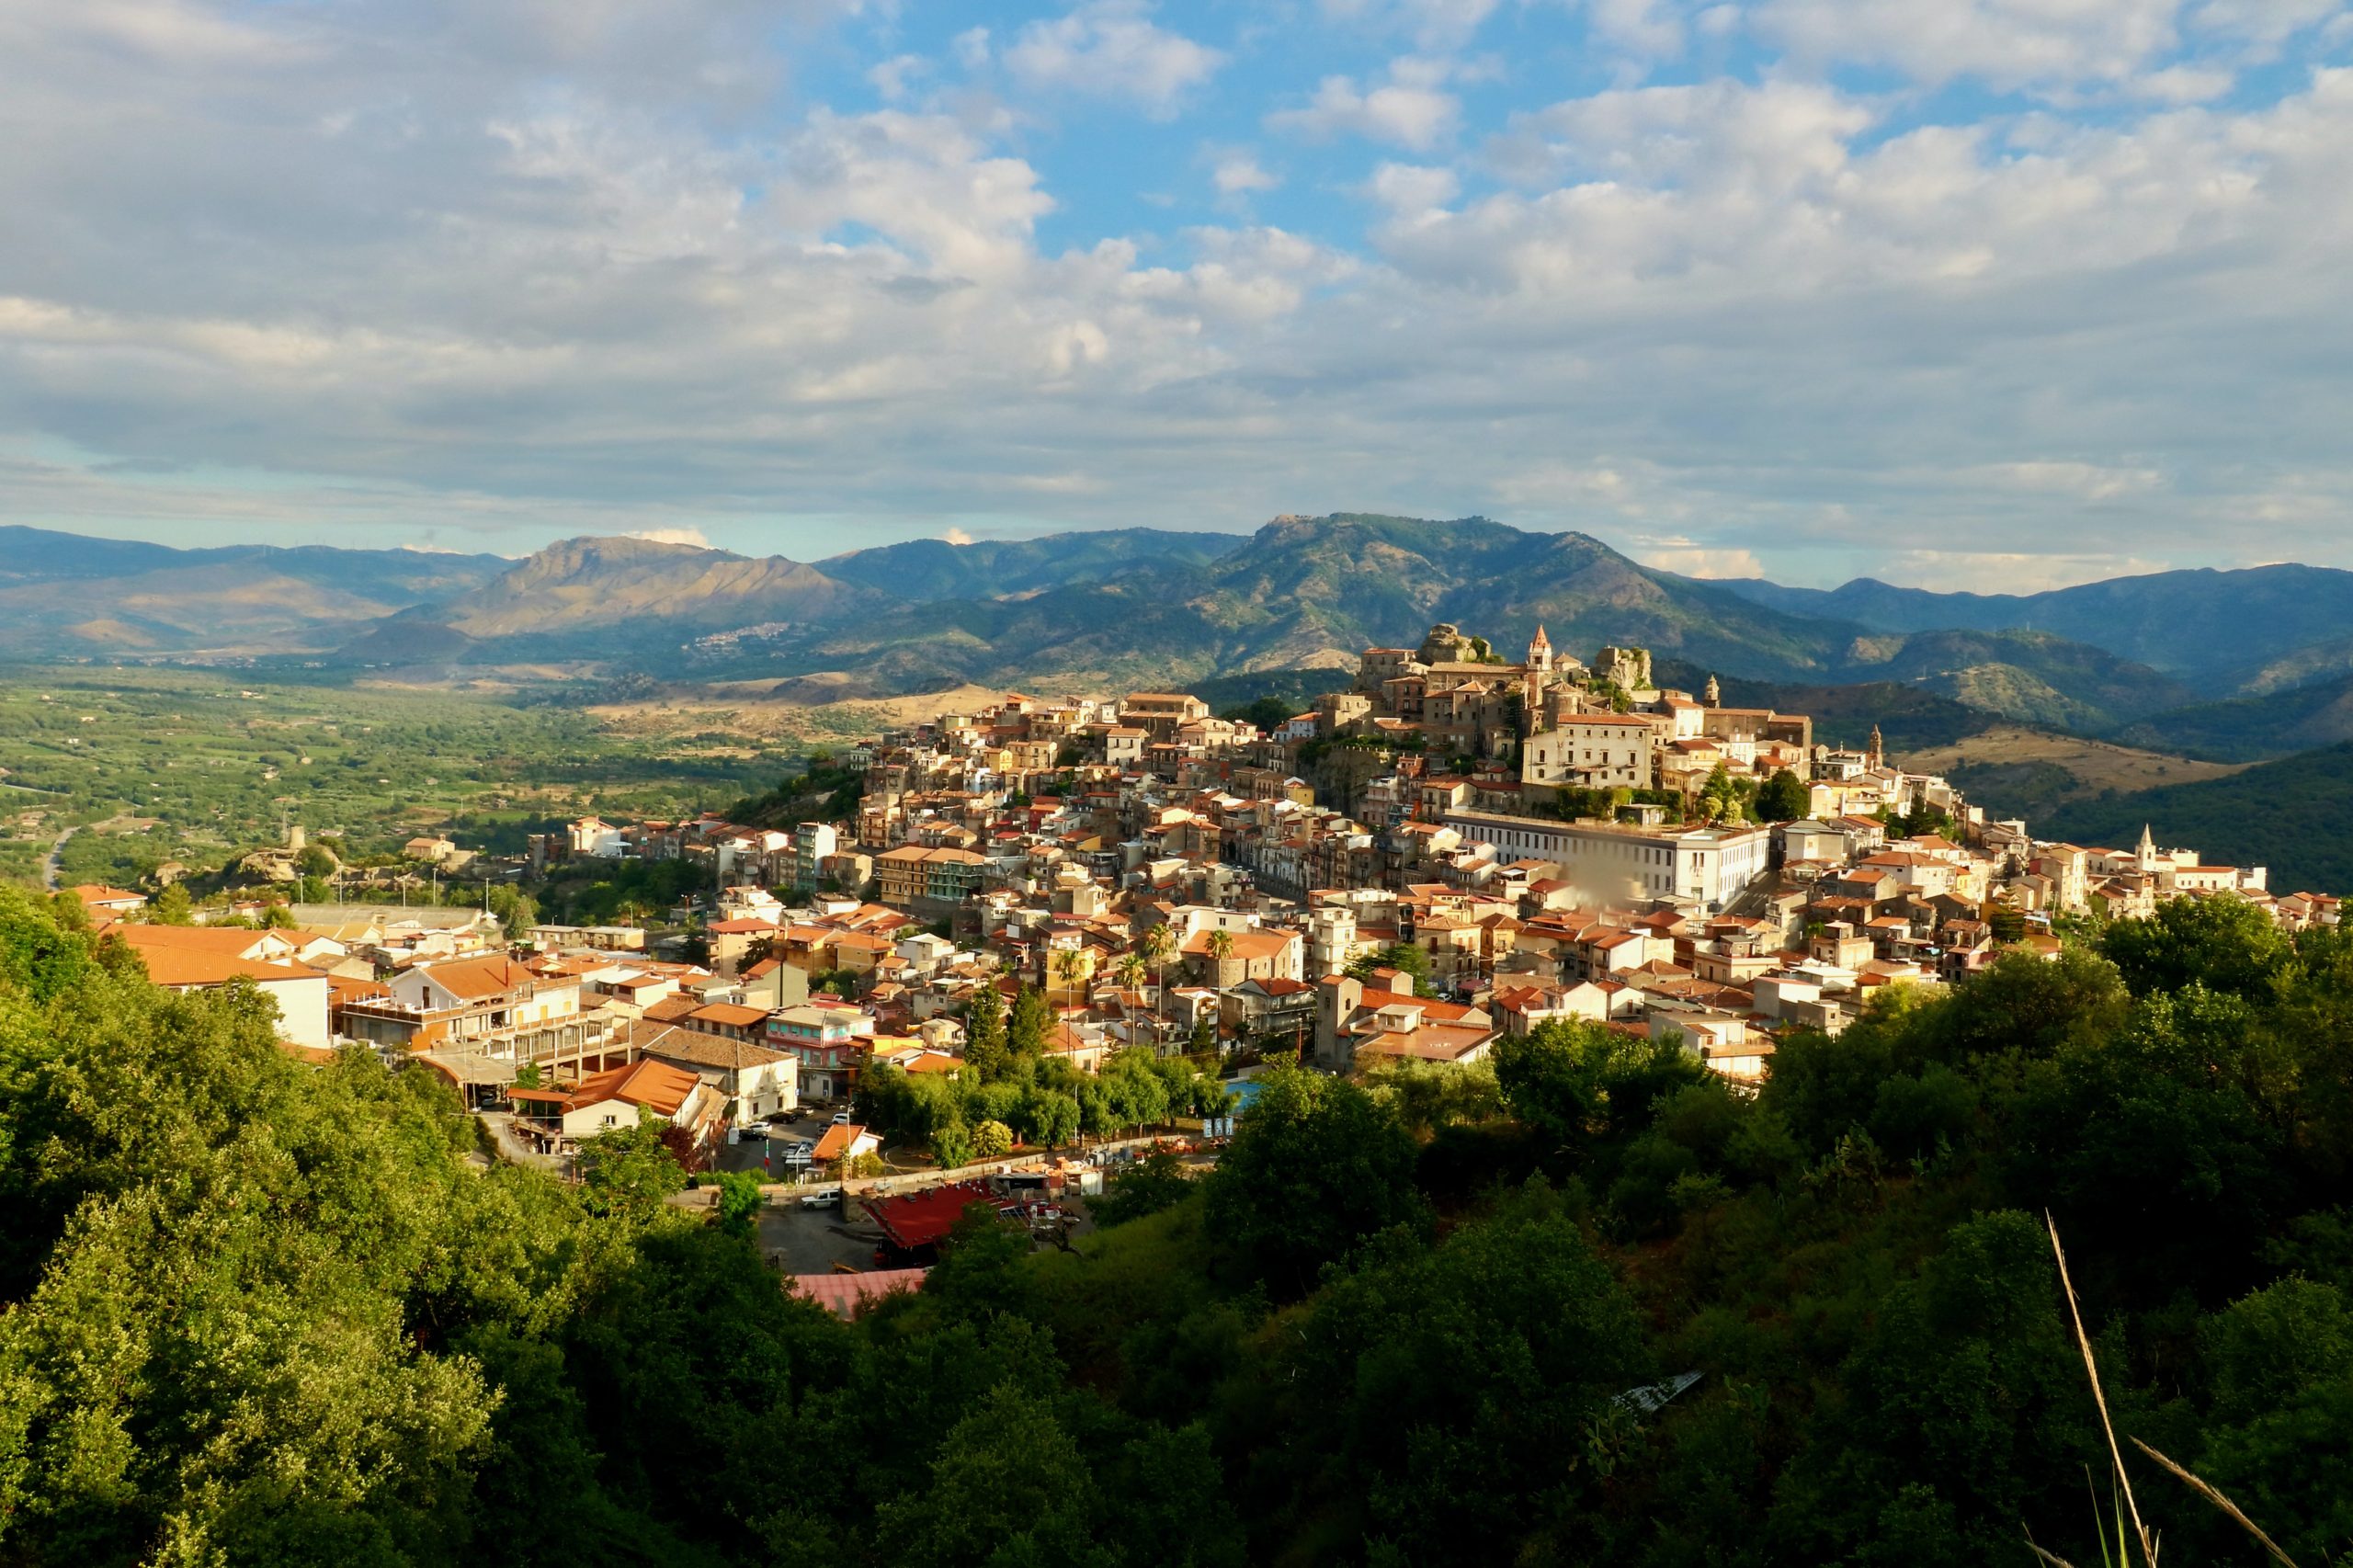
1220	947
1156	944
1070	964
1130	970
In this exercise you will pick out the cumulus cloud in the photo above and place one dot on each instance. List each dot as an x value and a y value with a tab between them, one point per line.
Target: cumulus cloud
1239	173
525	271
1701	560
1433	24
1411	109
695	537
1112	48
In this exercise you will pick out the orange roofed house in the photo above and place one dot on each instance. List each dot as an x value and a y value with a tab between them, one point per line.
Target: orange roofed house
196	958
557	1119
496	1005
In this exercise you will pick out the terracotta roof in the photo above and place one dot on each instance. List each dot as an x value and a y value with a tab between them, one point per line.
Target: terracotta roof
669	1042
730	1015
838	1141
473	978
179	968
651	1085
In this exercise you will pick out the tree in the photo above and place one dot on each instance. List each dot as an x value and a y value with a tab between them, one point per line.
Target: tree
1220	947
1201	1048
1580	1083
951	1144
1783	798
1007	1487
1031	1024
627	1173
1156	943
172	906
1409	958
1070	968
1316	1167
738	1210
992	1139
1134	1093
1050	1117
1157	1181
985	1047
2223	943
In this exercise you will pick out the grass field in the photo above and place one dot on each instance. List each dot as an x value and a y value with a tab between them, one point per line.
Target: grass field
199	767
2012	770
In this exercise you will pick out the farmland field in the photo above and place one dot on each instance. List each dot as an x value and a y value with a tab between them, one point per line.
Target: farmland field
198	766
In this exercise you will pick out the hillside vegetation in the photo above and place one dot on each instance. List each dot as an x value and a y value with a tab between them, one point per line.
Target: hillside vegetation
2288	816
253	1312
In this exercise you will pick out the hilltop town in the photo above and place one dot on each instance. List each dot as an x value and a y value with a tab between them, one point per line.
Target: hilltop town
1454	847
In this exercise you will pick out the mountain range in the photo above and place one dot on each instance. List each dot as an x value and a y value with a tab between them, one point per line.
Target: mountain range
2163	659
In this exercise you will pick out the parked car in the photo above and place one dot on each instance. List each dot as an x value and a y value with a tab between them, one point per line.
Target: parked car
823	1198
841	1118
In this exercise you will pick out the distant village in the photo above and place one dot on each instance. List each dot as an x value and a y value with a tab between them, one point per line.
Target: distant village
1455	848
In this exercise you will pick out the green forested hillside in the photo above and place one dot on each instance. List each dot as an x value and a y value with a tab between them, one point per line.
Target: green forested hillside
2251	728
2288	816
253	1312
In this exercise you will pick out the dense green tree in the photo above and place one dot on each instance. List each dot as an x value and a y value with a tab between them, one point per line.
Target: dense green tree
1317	1166
2224	944
985	1056
1783	798
628	1173
1407	958
1157	1181
172	906
1030	1025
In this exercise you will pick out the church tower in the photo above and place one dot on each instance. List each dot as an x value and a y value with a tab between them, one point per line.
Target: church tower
1533	685
2145	858
1878	754
1715	694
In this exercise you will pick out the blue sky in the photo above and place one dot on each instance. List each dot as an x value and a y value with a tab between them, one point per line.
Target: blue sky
1965	293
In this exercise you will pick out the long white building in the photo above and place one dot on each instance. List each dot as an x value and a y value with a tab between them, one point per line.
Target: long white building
1707	867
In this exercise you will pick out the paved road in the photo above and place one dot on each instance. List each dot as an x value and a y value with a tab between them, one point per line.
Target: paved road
54	872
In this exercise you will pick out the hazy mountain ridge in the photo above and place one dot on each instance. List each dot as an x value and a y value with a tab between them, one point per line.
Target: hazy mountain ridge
2203	623
1139	606
66	595
927	569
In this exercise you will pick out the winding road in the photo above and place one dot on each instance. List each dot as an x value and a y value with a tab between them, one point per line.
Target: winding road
53	871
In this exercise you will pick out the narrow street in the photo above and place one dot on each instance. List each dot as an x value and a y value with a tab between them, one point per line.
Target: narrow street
53	871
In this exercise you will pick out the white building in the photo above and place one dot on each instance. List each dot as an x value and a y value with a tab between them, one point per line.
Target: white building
1706	867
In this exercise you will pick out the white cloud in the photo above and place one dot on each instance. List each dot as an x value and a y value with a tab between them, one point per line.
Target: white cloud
1409	110
349	267
1239	173
2007	44
957	536
1701	560
1112	48
1432	24
893	77
695	537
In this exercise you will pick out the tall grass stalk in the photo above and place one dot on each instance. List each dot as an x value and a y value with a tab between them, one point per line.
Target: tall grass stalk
2123	1483
2091	1369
